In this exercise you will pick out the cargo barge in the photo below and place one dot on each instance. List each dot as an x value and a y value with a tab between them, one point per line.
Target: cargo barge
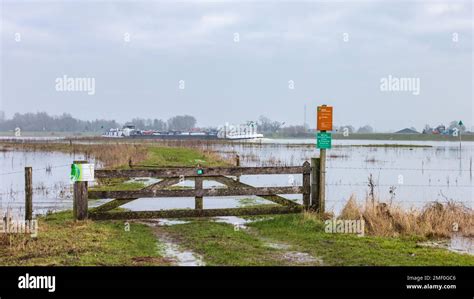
224	133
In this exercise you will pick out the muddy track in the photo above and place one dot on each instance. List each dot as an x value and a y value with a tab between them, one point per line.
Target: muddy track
286	252
170	246
172	249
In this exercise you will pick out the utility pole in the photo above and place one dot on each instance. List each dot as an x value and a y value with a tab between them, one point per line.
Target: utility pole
460	144
304	117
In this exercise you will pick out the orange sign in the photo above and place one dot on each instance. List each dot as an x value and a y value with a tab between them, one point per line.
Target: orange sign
324	118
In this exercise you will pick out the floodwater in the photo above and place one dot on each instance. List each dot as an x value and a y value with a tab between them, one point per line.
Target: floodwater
409	176
52	190
457	243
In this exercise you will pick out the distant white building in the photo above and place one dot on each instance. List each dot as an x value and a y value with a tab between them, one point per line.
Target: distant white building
2	115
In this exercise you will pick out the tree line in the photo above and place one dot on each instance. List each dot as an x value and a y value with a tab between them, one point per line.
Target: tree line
41	121
265	125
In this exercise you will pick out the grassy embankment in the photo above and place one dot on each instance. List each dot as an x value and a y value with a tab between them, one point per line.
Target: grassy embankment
62	241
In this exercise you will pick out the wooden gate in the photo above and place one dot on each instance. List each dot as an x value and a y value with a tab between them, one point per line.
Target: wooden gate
172	176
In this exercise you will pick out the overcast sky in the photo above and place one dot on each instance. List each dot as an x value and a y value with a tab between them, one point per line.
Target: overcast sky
236	60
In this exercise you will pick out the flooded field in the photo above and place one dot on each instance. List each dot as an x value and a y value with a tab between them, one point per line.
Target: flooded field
52	190
410	176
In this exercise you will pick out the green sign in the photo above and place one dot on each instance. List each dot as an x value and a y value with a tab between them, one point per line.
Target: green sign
200	171
323	140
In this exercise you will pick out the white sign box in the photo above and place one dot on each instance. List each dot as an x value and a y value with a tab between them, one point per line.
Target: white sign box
82	172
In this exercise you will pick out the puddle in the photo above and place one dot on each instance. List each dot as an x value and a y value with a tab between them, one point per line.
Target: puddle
232	220
277	246
297	257
180	257
164	222
462	244
169	248
294	257
238	222
457	243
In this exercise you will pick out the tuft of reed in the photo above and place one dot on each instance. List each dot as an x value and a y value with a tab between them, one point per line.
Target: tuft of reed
434	220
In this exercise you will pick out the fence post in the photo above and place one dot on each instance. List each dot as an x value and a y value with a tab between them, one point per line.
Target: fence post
237	163
198	190
322	181
315	163
306	184
80	204
28	193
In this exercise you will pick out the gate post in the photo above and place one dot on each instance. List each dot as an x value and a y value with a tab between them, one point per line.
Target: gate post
322	182
318	182
306	184
237	163
28	193
80	204
315	166
198	189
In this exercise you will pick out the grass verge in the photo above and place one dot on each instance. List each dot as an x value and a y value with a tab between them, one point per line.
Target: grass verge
62	241
220	244
350	250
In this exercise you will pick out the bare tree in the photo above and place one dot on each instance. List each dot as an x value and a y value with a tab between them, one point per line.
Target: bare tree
269	126
181	122
365	129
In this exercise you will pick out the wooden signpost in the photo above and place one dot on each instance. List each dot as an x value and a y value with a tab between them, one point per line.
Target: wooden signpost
323	141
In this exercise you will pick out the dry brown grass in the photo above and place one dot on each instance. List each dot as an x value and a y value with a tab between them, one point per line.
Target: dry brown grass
439	220
113	154
109	154
116	155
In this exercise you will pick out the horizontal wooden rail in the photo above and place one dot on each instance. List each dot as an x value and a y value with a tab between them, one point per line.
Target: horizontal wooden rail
171	176
196	213
192	171
258	191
